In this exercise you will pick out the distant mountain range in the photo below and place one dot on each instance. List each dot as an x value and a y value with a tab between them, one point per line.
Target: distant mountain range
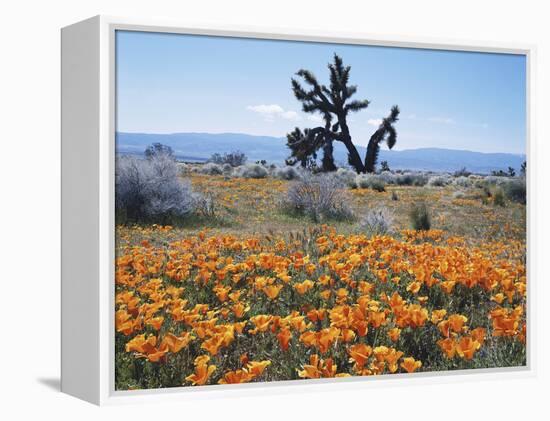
198	147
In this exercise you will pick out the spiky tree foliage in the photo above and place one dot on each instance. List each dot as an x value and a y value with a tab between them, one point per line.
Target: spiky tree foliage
334	103
303	145
385	133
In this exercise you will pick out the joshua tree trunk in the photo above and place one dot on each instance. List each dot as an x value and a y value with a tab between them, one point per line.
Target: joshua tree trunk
354	158
385	133
328	157
371	156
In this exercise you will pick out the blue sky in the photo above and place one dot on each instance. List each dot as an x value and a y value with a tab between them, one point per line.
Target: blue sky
169	83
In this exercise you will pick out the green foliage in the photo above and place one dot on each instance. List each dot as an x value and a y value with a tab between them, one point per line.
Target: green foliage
516	191
235	158
463	172
158	149
498	197
420	217
378	185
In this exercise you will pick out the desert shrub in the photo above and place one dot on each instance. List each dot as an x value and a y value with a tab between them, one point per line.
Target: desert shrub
420	217
377	221
516	191
235	158
319	197
439	180
204	205
404	180
420	180
347	177
495	180
251	171
158	149
377	185
183	169
498	197
387	177
370	181
463	181
384	166
463	172
151	190
286	173
459	194
411	179
362	181
211	168
227	169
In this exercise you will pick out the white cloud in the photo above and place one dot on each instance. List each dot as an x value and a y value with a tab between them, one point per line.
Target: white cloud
374	121
290	115
444	120
271	111
266	109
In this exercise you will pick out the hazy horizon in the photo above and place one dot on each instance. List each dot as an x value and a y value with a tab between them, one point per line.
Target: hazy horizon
383	147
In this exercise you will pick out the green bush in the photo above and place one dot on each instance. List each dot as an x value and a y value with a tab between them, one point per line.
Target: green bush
420	217
498	197
516	191
377	185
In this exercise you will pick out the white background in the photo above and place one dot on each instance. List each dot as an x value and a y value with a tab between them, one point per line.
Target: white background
29	233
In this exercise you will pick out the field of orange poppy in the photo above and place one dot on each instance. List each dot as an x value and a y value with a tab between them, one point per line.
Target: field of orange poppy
257	295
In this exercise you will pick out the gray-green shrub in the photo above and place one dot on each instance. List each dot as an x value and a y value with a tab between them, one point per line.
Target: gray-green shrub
251	171
377	221
516	191
319	197
151	190
420	217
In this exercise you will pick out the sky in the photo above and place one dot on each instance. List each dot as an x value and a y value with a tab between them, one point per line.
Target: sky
168	83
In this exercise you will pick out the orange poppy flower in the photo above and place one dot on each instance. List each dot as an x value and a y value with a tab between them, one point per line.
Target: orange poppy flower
272	291
234	377
466	347
155	322
394	334
176	344
203	371
457	321
409	364
359	354
257	367
284	337
448	346
303	287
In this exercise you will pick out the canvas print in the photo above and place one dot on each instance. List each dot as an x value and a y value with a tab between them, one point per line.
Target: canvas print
301	210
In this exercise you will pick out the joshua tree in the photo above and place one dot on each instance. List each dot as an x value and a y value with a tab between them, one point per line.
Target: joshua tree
334	103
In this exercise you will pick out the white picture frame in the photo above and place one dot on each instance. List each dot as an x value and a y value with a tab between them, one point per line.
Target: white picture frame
88	127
